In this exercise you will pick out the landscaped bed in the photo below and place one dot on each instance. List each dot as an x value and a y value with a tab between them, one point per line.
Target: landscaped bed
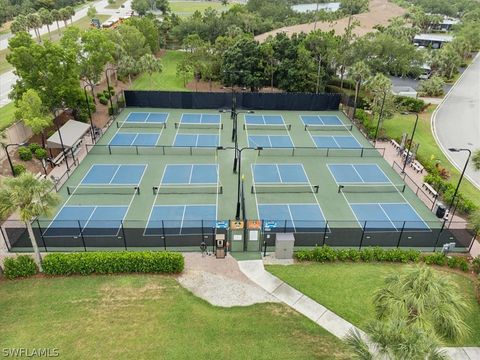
151	316
347	289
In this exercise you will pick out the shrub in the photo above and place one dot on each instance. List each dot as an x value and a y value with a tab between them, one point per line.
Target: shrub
41	154
109	88
21	266
18	169
34	147
113	111
103	100
431	87
112	92
476	265
24	153
113	262
435	259
405	103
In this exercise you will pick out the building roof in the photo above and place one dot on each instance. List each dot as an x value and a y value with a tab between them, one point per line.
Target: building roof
434	37
403	89
71	133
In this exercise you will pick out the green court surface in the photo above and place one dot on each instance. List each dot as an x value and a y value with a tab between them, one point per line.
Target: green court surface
321	177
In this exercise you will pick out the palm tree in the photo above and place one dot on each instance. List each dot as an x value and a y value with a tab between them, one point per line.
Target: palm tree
19	24
394	340
150	64
34	22
71	12
358	73
423	299
47	19
64	15
57	17
127	66
31	197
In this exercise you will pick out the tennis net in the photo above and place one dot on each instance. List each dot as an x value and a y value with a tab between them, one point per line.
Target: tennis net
370	188
198	125
281	188
143	125
103	189
267	126
329	127
188	189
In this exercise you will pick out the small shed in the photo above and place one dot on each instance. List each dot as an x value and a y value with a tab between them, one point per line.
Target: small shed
70	136
404	91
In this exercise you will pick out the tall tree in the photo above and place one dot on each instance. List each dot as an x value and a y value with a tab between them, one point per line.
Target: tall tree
32	112
56	17
141	6
447	60
31	197
184	70
270	65
127	66
34	22
359	72
47	19
71	12
150	64
352	7
19	24
64	15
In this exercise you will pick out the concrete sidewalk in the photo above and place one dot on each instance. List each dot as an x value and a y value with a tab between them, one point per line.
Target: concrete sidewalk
316	312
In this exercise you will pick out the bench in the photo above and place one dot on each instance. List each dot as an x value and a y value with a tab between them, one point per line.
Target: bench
58	159
395	144
430	189
39	176
417	166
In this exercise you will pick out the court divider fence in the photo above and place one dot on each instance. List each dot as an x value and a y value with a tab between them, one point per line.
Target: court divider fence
168	235
244	100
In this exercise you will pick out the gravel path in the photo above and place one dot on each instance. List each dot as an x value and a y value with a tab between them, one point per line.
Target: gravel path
220	282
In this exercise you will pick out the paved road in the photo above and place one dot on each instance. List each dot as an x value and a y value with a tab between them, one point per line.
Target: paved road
456	122
7	79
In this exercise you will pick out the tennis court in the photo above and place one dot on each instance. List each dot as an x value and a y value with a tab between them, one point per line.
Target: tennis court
176	183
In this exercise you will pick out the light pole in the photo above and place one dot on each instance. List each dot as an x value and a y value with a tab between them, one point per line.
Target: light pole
410	144
239	156
461	176
108	87
92	129
5	147
235	130
380	115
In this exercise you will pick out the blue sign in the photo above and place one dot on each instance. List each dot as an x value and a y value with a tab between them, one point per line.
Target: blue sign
270	225
222	225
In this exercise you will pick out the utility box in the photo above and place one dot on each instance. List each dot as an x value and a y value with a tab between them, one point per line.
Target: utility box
253	235
220	246
284	244
440	210
236	237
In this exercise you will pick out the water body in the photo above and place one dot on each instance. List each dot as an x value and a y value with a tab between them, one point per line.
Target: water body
303	8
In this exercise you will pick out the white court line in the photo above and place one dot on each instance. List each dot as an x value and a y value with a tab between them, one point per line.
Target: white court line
115	173
183	218
335	140
360	176
388	217
190	176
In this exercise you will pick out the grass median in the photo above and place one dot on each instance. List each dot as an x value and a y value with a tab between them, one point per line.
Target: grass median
151	316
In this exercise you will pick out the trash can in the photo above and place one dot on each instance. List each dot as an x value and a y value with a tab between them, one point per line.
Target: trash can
441	210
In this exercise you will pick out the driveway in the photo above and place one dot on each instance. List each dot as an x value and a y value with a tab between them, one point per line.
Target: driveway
456	122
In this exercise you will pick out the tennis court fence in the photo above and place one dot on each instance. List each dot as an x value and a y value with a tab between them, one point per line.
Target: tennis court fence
118	235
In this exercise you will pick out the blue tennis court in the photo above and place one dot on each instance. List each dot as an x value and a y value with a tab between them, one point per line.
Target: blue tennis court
147	117
180	219
340	142
196	140
264	120
134	139
200	119
321	120
279	174
270	141
87	221
293	217
358	173
388	217
184	174
110	174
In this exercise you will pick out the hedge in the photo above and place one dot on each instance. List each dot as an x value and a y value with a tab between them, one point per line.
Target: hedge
410	104
113	262
328	254
21	266
25	154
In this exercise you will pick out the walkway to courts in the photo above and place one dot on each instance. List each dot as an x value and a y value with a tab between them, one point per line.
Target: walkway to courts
316	312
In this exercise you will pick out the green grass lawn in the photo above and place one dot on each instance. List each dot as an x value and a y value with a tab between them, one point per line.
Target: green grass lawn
399	124
7	115
167	79
185	8
116	4
150	317
83	23
347	288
